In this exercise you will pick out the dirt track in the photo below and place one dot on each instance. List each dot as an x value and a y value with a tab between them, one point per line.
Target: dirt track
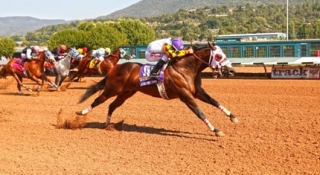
278	132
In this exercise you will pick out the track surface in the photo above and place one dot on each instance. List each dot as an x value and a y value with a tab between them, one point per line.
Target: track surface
278	132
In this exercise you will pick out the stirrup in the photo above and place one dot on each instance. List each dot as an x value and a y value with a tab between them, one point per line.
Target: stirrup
153	75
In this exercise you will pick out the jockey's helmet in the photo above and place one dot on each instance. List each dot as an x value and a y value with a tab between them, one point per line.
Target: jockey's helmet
177	44
80	51
101	51
84	49
36	48
108	50
63	47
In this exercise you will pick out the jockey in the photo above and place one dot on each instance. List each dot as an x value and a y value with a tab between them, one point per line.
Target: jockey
122	53
163	49
85	50
28	53
98	55
59	52
108	51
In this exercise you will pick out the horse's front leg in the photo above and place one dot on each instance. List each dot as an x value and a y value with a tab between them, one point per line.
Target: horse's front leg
51	84
188	99
203	96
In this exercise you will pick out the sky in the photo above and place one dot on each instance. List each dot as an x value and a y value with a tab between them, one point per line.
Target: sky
62	9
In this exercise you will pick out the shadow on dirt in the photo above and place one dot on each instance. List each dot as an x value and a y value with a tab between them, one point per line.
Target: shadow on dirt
150	130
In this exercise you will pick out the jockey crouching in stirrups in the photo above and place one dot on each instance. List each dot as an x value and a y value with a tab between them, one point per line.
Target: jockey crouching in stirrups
163	49
98	56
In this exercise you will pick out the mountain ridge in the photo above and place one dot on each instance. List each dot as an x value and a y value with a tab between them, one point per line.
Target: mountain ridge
20	25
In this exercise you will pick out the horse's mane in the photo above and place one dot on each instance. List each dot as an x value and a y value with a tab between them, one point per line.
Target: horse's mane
199	46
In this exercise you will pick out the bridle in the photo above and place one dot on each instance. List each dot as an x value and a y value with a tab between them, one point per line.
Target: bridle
206	63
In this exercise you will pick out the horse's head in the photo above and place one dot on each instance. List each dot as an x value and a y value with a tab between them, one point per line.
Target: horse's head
219	61
110	61
42	55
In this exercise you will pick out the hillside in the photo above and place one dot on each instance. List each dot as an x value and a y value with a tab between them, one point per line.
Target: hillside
20	25
152	8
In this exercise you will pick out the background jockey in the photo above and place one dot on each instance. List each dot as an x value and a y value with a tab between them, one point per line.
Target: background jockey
84	50
80	51
28	53
59	52
163	49
108	51
98	55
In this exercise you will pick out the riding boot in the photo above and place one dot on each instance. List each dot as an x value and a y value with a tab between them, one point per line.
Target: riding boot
154	72
96	64
25	73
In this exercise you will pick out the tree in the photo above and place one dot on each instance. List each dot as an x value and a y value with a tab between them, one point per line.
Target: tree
7	47
136	32
70	38
104	36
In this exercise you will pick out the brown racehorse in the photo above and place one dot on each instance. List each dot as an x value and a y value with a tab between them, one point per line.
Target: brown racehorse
182	79
34	69
84	65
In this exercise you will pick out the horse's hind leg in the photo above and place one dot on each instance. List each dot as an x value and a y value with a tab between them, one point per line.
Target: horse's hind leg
121	98
101	99
19	83
203	96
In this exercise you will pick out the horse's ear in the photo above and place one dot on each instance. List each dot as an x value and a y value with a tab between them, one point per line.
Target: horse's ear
212	45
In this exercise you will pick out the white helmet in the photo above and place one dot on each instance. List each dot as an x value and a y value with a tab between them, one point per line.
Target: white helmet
36	48
101	51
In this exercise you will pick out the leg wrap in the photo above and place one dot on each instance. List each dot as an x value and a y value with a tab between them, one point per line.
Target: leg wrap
226	111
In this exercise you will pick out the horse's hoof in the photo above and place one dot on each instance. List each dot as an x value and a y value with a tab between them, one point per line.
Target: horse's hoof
218	133
79	112
234	120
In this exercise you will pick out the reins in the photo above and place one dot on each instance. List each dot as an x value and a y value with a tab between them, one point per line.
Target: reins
208	64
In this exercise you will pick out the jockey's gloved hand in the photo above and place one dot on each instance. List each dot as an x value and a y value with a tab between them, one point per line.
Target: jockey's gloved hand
189	50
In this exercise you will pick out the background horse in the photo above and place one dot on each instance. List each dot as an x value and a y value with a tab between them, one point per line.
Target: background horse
61	68
84	65
34	69
181	79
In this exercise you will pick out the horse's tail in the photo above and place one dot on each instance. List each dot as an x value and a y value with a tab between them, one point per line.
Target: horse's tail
93	89
3	72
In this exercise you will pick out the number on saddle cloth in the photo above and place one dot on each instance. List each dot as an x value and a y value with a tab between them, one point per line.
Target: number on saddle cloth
145	71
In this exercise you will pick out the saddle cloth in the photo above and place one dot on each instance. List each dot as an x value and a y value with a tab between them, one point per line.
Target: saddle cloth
17	64
145	80
145	71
